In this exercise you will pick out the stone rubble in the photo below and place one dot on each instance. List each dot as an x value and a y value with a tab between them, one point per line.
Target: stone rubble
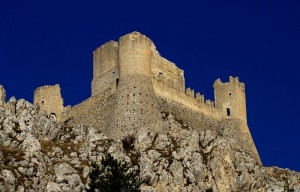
38	154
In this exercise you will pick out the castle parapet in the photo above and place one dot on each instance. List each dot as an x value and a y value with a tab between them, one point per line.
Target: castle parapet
199	97
209	103
188	98
190	93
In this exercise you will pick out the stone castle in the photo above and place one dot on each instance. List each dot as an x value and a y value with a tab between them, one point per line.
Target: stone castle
133	88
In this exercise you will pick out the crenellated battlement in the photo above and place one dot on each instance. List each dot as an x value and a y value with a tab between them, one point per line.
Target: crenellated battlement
233	82
187	98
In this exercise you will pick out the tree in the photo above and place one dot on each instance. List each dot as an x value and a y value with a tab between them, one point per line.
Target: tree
113	176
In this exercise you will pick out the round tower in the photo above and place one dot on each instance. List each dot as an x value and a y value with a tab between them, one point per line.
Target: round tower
136	106
230	98
49	99
134	55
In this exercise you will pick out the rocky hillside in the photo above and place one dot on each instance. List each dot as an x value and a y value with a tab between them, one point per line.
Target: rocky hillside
38	154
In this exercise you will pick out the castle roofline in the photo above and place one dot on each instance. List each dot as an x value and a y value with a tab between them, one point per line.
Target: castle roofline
232	81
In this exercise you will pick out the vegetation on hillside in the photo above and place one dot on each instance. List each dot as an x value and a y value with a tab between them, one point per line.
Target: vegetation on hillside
113	176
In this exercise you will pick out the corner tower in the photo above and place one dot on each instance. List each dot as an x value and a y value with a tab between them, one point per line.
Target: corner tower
136	106
230	98
49	99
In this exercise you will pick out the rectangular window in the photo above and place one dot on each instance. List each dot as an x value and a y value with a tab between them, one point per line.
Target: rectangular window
117	82
228	112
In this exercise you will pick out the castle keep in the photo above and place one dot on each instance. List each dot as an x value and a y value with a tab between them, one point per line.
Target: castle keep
133	88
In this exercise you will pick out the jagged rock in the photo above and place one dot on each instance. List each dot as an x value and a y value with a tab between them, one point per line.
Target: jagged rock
53	187
143	140
176	170
31	144
162	142
20	188
8	179
206	137
2	95
85	171
62	170
38	154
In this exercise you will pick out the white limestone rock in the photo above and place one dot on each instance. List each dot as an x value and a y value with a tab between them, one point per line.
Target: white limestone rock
8	181
31	144
2	95
143	140
62	170
53	187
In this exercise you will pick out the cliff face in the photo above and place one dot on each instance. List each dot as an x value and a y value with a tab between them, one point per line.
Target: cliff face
37	154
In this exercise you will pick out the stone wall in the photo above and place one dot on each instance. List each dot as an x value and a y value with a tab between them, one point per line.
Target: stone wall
2	96
195	118
49	99
187	98
166	71
95	111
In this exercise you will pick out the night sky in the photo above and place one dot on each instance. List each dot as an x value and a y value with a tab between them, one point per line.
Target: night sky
49	42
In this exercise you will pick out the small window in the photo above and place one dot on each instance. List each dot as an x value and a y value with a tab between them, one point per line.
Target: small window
230	94
228	111
43	102
117	82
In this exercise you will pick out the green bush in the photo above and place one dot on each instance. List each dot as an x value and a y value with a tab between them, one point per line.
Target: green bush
113	176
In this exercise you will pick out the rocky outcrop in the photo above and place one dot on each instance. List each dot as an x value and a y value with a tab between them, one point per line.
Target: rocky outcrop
2	95
38	154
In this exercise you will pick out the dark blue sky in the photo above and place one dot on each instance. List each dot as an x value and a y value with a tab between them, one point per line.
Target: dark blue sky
49	42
